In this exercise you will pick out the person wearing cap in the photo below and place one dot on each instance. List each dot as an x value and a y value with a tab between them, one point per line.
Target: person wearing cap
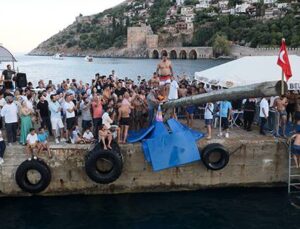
10	114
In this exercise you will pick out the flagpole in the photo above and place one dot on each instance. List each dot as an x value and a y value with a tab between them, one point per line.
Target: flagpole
282	82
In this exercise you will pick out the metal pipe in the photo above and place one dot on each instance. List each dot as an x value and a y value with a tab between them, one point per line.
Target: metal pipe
258	90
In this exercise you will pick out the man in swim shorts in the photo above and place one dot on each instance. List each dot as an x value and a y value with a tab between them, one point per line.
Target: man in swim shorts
280	104
165	71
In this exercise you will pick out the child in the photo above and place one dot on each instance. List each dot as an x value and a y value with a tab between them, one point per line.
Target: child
2	148
296	149
43	144
208	116
104	134
76	136
32	142
88	136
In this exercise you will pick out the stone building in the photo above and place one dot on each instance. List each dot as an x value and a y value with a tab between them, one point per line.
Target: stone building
141	37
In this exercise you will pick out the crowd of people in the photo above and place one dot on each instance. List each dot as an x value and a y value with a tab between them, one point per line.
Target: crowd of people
108	107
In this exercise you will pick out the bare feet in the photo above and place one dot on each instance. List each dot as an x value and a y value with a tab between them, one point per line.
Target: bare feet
104	147
109	147
208	137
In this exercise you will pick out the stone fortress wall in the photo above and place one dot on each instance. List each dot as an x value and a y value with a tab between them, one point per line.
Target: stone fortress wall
143	38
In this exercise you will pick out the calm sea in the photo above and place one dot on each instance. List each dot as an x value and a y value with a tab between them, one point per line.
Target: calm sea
210	209
38	67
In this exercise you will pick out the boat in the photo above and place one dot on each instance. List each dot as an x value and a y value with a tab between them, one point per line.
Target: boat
58	56
88	58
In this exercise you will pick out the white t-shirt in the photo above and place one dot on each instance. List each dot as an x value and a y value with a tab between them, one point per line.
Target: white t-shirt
88	136
69	105
32	139
10	113
173	93
106	120
2	102
263	104
208	112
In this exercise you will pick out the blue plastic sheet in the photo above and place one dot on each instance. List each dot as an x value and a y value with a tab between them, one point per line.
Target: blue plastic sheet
134	137
176	126
158	130
171	150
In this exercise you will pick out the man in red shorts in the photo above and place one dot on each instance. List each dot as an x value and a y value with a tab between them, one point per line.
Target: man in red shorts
165	71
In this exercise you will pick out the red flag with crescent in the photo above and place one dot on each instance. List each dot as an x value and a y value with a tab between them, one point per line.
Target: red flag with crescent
283	61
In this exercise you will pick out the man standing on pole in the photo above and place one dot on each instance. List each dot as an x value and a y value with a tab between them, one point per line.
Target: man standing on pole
165	71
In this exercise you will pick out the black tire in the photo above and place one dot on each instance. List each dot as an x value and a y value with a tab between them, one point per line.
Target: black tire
102	177
115	149
212	149
23	181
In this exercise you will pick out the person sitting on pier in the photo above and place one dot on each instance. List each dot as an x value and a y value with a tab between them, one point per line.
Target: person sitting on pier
76	137
88	135
105	134
32	143
43	141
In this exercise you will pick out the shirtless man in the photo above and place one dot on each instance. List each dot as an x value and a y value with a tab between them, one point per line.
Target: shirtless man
297	111
182	91
140	108
124	117
280	104
165	71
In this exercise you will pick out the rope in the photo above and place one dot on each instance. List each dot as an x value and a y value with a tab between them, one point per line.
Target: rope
238	148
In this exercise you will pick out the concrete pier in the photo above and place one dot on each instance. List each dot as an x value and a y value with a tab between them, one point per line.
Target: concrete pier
255	161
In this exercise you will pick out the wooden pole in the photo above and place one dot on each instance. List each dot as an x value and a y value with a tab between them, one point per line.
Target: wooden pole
264	89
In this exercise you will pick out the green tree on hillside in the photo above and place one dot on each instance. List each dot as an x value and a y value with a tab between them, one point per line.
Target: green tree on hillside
221	46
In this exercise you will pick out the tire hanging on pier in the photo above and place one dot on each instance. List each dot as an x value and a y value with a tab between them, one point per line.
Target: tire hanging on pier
215	156
110	161
25	183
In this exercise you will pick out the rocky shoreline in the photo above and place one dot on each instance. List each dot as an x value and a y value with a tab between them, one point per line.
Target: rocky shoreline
108	53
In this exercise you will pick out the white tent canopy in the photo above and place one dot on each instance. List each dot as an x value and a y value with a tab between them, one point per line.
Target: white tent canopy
5	55
249	70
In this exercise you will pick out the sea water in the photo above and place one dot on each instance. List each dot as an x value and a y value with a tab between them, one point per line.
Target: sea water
47	68
208	209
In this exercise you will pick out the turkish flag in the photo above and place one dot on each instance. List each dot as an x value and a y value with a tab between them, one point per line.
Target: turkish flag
283	61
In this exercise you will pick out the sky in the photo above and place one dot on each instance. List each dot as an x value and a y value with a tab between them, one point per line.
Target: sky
24	24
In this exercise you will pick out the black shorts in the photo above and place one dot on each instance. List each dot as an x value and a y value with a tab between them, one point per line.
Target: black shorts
70	123
225	123
297	115
125	121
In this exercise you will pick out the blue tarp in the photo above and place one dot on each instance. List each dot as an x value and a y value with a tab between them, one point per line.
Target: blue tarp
158	130
139	135
176	126
165	148
171	150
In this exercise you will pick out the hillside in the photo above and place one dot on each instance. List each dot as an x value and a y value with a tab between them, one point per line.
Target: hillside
250	23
